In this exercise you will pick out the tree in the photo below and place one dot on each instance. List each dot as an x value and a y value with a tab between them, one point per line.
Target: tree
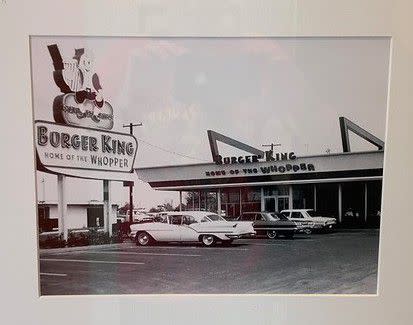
166	206
192	201
125	208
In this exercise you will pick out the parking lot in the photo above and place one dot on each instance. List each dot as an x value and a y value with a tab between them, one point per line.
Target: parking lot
341	262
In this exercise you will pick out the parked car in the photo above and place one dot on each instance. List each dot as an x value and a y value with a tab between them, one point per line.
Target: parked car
302	215
271	225
190	226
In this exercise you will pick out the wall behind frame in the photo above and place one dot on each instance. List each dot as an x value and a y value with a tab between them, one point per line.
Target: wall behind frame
19	19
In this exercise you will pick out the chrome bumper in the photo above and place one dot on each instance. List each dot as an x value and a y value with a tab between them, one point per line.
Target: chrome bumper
237	236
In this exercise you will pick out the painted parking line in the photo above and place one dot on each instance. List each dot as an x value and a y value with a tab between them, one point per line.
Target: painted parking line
134	253
272	244
89	261
53	274
185	247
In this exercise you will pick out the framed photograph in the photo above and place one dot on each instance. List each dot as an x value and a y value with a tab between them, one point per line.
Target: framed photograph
304	209
251	168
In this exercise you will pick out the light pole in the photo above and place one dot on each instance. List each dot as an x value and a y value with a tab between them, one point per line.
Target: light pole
130	184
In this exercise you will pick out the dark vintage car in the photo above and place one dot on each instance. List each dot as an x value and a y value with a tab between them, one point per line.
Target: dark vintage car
270	224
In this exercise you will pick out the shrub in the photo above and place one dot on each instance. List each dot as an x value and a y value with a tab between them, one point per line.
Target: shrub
51	241
87	236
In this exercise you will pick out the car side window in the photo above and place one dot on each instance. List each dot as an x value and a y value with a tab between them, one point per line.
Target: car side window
162	219
204	219
187	220
259	217
248	217
296	215
176	220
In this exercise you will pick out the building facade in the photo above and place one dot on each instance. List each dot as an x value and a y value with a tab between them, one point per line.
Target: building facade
345	185
79	215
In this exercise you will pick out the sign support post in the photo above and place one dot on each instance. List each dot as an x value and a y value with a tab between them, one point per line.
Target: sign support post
340	204
315	197
62	204
219	202
262	200
107	207
365	202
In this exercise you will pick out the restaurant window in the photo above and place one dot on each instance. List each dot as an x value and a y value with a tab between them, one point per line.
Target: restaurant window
353	203
279	190
46	223
251	199
373	203
95	217
303	196
230	203
233	197
327	200
248	217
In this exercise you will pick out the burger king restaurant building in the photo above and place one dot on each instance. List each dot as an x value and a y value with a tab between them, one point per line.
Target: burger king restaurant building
343	185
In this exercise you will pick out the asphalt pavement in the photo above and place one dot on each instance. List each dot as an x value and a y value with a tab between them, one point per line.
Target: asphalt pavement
342	262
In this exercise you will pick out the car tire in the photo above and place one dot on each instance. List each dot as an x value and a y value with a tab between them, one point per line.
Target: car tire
208	240
271	234
308	231
143	239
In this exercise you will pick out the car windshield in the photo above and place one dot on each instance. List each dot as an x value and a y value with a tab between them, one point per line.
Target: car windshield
267	216
215	217
278	216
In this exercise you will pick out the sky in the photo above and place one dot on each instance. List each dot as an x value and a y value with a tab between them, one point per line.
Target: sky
257	90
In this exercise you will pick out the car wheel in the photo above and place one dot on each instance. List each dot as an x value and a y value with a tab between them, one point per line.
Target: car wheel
143	239
272	234
307	231
208	240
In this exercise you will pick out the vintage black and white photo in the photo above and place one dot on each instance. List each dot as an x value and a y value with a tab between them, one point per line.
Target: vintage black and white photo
209	165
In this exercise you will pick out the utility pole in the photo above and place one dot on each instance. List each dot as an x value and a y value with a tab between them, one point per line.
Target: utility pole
130	184
272	145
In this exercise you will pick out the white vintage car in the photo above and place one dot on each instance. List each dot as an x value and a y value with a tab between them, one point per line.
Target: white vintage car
300	215
190	226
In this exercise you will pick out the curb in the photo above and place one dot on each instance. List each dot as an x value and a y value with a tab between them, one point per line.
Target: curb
80	248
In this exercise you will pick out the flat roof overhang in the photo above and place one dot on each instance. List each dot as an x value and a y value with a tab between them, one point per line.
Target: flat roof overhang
341	167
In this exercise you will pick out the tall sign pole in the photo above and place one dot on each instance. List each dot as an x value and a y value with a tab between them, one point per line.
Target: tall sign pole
130	184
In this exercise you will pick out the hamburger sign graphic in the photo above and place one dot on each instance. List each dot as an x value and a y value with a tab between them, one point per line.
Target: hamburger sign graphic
80	138
82	102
